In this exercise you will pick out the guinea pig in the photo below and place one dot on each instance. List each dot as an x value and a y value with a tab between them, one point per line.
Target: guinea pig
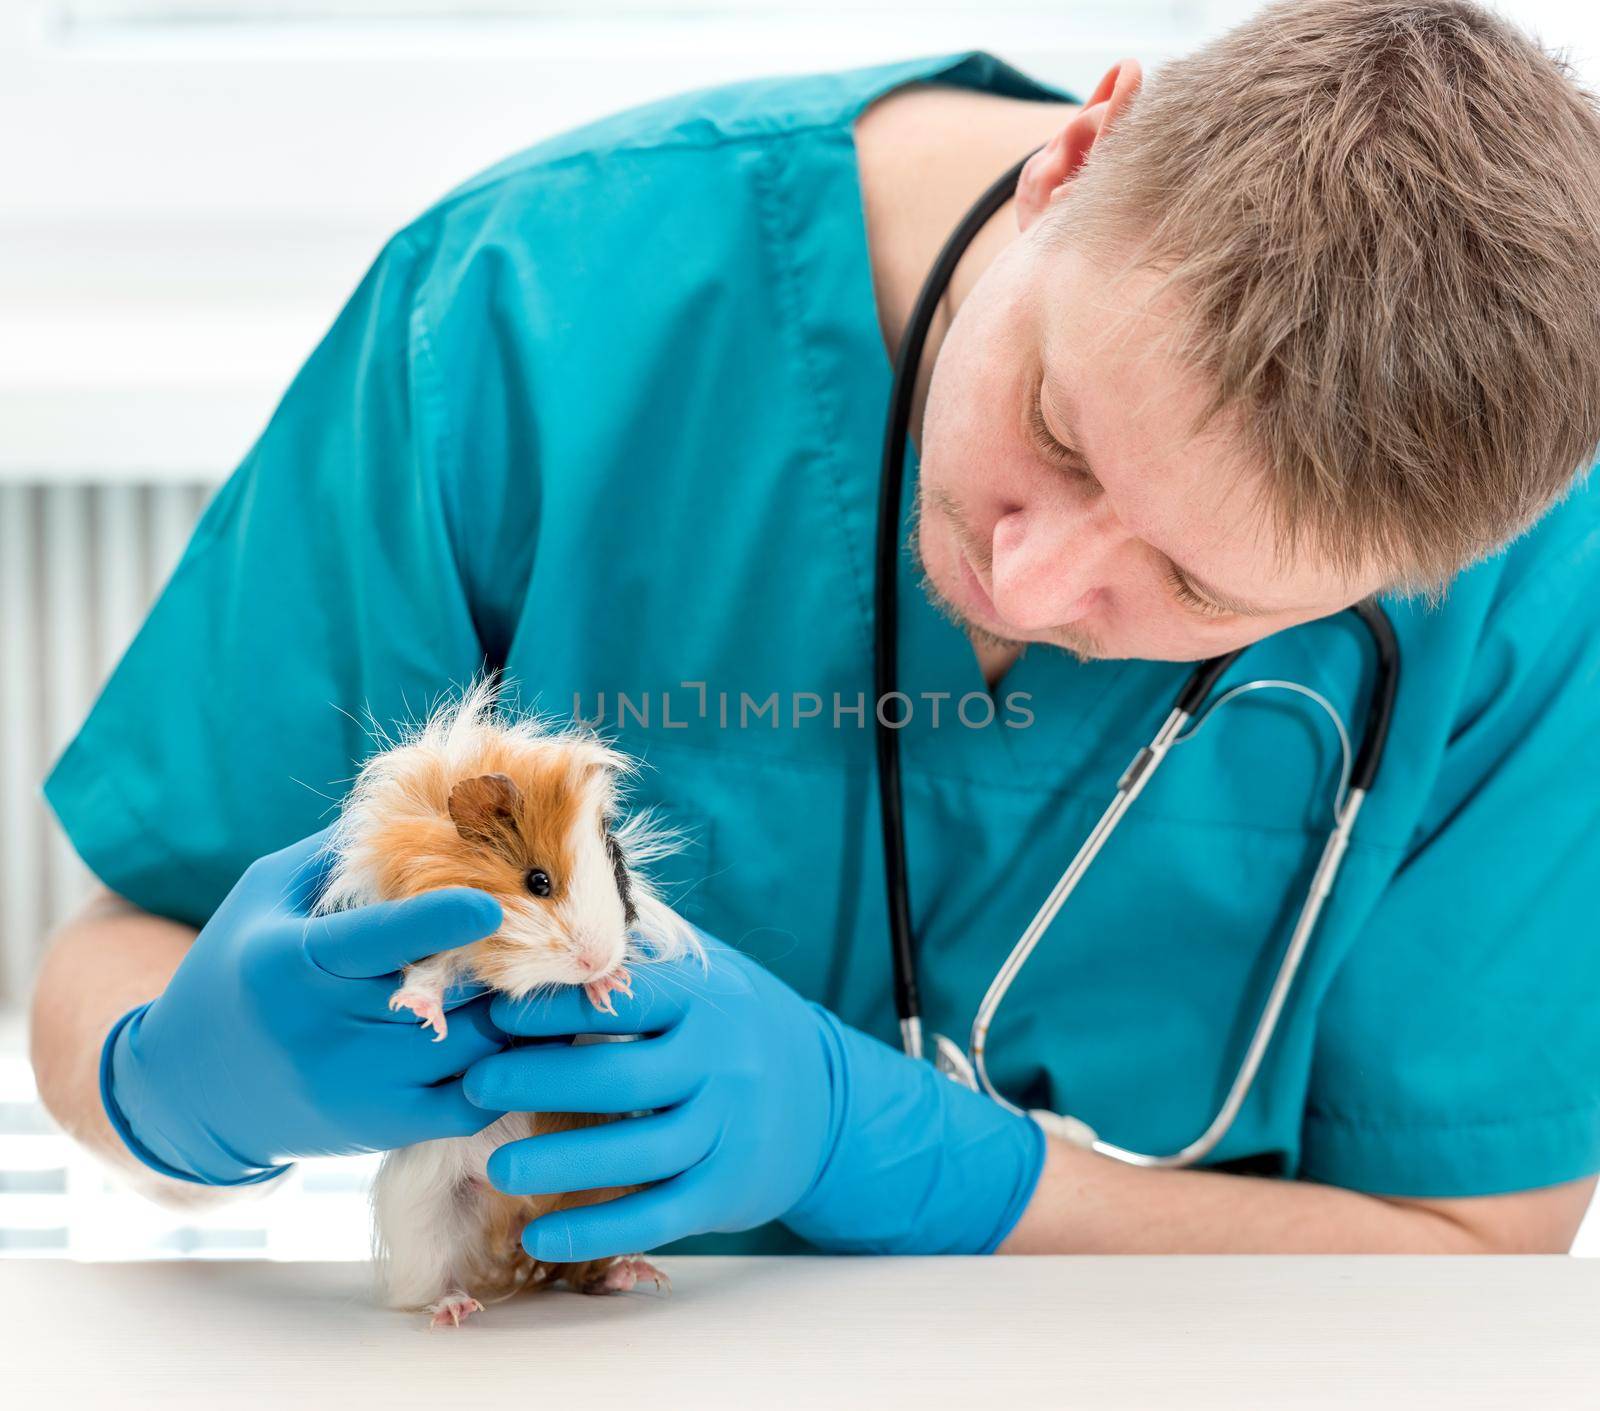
531	813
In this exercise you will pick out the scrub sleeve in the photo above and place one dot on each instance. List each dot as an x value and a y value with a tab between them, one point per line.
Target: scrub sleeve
1458	1048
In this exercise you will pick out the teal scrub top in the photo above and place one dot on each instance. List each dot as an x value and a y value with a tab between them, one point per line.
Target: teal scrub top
608	416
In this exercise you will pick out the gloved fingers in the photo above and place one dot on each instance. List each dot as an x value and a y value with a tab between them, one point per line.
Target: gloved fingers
565	1011
578	1078
642	1220
634	1151
378	939
305	865
368	998
469	1035
443	1111
660	996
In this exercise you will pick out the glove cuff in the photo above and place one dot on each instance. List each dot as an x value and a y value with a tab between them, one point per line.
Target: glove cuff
115	1045
914	1163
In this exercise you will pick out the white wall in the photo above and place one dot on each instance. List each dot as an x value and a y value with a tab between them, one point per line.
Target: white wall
185	199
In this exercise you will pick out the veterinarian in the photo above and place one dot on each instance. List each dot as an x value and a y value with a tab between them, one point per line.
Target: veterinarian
608	416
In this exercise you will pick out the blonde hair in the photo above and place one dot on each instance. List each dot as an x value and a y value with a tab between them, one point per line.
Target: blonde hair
1381	222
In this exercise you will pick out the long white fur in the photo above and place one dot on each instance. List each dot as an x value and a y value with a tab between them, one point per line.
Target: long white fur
425	1213
424	1197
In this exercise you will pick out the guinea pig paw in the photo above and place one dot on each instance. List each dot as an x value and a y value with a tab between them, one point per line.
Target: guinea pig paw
599	991
452	1308
428	1008
630	1271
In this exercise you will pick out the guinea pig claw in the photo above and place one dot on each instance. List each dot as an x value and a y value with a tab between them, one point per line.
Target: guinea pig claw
630	1271
452	1308
428	1008
600	990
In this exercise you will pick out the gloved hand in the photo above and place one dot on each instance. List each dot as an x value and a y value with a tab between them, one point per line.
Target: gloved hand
765	1106
274	1040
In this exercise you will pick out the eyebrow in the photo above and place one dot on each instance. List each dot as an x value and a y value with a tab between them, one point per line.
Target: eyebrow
1050	395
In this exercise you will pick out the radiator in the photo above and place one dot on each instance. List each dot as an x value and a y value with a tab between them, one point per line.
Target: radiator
80	565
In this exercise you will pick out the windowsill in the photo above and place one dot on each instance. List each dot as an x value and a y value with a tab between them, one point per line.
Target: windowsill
56	1200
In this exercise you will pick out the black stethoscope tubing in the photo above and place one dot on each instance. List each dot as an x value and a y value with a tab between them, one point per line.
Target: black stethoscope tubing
1198	687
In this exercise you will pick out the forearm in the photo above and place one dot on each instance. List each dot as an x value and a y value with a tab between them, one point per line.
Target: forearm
107	958
1090	1204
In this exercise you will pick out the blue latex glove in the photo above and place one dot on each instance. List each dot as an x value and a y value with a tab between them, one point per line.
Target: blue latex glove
274	1039
764	1106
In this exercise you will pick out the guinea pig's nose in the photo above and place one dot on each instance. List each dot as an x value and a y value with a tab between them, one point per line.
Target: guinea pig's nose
594	957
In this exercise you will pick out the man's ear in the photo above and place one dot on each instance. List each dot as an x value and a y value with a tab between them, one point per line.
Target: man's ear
1046	175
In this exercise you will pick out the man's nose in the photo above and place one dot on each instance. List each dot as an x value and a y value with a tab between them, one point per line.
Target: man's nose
1050	563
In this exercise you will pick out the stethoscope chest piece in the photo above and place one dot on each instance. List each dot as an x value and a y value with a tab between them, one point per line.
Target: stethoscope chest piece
951	1060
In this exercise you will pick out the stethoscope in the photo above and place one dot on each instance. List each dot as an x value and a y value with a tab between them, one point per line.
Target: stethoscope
1356	777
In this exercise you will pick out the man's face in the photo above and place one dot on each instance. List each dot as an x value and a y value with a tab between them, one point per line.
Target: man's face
1135	541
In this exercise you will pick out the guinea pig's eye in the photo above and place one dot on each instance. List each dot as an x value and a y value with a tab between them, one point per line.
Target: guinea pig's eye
538	881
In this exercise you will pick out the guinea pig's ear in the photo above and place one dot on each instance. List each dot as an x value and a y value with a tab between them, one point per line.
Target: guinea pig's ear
486	810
